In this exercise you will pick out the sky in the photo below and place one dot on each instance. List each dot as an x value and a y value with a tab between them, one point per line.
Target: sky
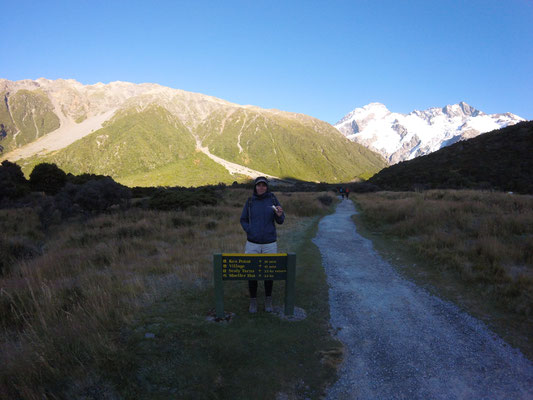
321	58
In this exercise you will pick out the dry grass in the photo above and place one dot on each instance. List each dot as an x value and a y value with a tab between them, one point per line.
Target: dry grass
63	306
484	238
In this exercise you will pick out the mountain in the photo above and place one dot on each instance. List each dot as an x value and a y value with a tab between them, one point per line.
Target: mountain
147	134
399	137
499	160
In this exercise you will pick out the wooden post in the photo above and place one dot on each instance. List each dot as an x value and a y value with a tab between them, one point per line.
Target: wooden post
219	287
290	284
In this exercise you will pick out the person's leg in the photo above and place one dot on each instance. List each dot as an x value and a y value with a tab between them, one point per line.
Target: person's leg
252	248
252	287
270	248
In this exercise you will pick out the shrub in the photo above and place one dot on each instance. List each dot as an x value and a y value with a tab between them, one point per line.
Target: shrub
179	200
12	182
48	178
84	178
364	187
99	195
94	195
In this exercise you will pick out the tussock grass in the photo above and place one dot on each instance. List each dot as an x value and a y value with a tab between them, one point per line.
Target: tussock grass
64	311
301	206
486	237
482	239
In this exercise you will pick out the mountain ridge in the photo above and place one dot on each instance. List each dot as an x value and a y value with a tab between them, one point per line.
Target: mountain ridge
497	160
400	137
270	142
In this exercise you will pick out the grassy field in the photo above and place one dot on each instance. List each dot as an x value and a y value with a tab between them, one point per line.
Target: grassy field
115	306
473	247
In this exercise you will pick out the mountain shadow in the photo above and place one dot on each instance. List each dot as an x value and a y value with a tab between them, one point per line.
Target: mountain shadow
497	160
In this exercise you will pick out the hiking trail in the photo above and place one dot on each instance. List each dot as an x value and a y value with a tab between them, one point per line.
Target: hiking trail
402	342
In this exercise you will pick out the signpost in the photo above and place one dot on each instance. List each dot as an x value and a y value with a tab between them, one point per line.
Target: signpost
243	267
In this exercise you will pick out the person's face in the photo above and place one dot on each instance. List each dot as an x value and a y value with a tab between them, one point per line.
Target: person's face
261	188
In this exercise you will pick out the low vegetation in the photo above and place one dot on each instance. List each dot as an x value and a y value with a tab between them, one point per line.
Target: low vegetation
113	302
478	243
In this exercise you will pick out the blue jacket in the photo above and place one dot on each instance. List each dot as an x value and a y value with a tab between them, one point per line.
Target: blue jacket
257	218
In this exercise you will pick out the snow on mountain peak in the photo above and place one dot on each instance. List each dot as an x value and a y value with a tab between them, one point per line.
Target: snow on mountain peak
399	137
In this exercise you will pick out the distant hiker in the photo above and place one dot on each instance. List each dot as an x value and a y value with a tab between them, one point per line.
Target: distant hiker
259	215
341	190
347	192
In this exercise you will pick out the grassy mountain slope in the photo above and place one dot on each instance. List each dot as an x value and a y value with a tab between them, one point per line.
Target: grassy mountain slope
24	117
500	160
286	146
150	147
151	138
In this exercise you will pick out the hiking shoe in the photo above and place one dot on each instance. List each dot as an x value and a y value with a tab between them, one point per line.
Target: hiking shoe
253	306
268	303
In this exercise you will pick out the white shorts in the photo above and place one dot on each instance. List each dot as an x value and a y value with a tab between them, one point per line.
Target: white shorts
256	248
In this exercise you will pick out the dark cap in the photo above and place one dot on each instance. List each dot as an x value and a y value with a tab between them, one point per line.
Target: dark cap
261	179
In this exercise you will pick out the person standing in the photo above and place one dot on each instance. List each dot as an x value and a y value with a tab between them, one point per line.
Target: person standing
259	216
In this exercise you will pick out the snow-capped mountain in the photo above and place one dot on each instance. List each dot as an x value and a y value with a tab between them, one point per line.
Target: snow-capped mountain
399	137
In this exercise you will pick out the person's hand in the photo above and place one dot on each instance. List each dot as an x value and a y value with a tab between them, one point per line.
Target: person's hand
279	211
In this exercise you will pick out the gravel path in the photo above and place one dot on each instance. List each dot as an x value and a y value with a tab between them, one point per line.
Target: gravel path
400	341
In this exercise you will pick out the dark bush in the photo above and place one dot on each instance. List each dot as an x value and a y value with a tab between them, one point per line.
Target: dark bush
84	178
99	195
364	187
179	200
13	184
321	187
93	195
48	178
140	191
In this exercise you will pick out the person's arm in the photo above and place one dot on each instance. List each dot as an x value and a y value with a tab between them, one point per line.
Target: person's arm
245	221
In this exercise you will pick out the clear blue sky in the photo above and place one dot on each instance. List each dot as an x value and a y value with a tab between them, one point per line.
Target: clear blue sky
322	58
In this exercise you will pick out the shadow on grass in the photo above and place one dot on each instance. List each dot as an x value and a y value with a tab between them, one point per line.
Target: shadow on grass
253	356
